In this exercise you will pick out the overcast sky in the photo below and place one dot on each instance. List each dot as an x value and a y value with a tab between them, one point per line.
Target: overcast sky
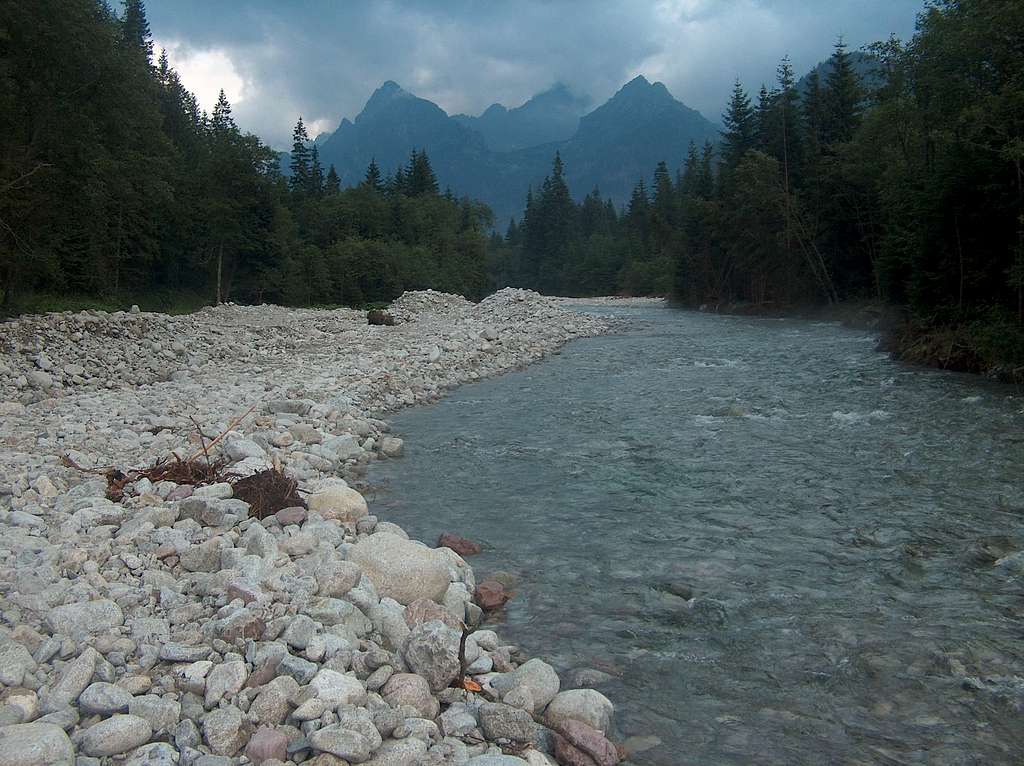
323	58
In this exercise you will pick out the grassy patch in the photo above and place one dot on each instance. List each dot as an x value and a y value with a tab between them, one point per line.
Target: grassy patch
166	302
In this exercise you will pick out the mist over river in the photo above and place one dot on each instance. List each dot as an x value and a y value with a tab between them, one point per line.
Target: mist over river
781	546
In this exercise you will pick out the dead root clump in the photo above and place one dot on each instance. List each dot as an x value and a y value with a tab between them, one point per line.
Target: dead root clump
195	473
267	492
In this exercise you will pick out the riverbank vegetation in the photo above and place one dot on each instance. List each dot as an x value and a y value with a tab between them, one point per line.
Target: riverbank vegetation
904	187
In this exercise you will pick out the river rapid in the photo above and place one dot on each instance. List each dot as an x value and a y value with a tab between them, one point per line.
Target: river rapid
775	544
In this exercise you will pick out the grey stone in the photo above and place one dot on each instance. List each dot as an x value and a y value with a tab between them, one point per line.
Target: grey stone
539	677
412	690
104	699
353	739
300	631
299	669
225	680
458	720
337	689
116	735
162	714
336	578
84	617
15	662
72	682
399	752
223	730
506	722
172	652
153	754
35	744
432	651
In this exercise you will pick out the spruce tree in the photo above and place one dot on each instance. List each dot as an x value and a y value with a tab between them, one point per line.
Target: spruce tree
222	121
706	177
688	181
786	143
740	132
814	112
316	172
300	164
135	34
843	97
332	184
420	175
763	118
372	180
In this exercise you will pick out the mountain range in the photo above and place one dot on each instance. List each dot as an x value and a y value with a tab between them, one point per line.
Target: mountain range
497	156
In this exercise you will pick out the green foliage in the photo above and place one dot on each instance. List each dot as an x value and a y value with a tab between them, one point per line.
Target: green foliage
115	188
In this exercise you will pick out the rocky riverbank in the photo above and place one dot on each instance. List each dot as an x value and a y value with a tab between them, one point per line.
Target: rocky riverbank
173	626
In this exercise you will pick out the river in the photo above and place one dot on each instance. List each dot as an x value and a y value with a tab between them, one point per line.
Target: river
779	545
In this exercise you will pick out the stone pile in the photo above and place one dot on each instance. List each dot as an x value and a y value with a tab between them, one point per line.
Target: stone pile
174	628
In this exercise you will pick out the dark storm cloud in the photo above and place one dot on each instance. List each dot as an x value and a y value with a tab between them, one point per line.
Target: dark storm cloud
323	59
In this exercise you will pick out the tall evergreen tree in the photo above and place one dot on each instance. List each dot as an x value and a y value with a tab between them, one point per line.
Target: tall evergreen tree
135	34
301	160
332	184
843	97
372	179
316	172
740	134
420	175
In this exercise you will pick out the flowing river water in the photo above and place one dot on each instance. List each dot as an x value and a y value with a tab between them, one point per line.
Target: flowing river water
779	545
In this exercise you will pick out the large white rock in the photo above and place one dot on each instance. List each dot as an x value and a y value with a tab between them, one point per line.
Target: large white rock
338	502
35	744
401	569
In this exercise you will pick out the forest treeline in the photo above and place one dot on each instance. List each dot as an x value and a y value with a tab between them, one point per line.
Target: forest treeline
905	187
115	186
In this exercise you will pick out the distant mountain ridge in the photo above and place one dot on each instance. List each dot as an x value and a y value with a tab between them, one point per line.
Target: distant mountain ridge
499	155
550	116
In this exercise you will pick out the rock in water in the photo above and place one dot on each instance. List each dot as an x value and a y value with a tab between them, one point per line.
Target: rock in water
582	745
492	595
460	545
35	744
400	569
